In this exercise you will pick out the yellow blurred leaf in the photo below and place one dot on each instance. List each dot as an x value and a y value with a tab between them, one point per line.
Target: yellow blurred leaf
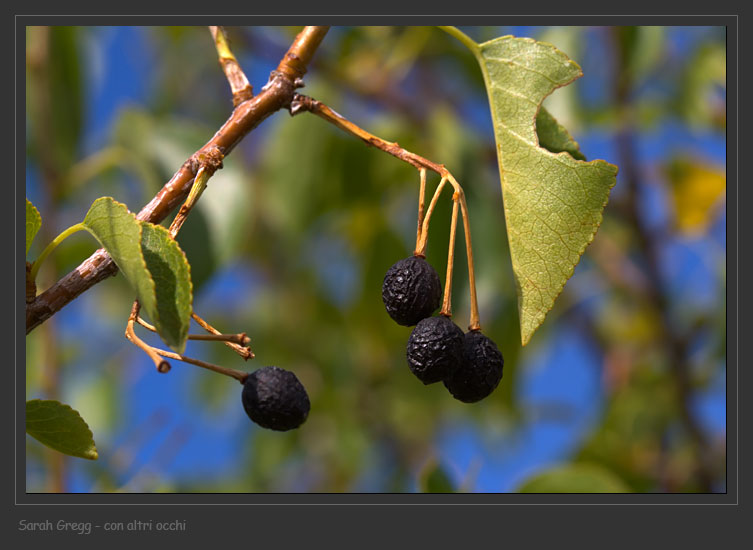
697	190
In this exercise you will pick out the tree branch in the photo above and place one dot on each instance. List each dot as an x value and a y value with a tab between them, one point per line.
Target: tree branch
277	94
239	85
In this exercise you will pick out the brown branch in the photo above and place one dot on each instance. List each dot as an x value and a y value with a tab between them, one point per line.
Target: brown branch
277	94
239	85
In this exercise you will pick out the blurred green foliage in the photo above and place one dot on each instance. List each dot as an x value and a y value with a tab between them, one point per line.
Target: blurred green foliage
316	219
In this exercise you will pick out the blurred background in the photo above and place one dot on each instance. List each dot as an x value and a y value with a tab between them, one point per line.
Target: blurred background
622	389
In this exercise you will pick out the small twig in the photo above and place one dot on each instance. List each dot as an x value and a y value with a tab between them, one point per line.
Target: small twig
239	84
447	303
209	163
238	375
241	338
156	354
421	200
162	365
241	350
421	246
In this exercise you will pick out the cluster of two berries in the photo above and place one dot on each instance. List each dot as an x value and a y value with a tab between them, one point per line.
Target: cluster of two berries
470	365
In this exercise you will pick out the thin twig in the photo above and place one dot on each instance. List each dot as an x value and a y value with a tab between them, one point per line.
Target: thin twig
240	339
447	303
238	375
276	95
162	365
421	200
239	84
423	242
241	350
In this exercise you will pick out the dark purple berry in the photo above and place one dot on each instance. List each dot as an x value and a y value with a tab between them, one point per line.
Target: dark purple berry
411	291
275	399
435	349
481	369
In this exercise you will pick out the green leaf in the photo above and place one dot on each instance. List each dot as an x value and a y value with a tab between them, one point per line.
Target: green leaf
554	137
553	202
60	427
575	478
172	276
156	269
33	223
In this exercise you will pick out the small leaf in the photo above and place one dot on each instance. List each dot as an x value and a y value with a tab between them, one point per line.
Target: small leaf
172	276
554	137
153	263
575	478
553	202
60	427
33	223
119	232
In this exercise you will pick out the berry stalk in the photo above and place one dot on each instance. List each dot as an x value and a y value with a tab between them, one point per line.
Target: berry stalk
447	303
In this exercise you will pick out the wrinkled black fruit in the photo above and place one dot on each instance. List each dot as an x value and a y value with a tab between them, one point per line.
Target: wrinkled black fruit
481	369
411	291
275	399
435	349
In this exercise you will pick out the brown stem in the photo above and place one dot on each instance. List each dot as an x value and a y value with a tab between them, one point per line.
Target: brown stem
240	339
276	95
238	375
241	350
239	84
162	365
421	200
423	242
302	103
447	303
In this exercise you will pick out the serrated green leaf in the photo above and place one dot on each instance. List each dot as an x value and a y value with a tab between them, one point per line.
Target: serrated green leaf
60	427
172	276
554	137
553	202
119	232
33	223
575	478
153	264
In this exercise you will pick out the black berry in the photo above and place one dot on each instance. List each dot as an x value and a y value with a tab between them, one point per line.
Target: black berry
411	291
275	399
435	349
480	372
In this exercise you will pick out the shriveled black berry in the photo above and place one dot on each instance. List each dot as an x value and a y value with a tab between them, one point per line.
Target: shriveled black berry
481	370
275	399
435	349
411	291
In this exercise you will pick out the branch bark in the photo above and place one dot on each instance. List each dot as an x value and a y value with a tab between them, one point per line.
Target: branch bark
276	95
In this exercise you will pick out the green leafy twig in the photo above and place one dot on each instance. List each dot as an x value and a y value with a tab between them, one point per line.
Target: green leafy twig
249	114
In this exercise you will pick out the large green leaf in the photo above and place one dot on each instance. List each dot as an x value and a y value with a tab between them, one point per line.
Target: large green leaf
553	202
60	427
33	223
172	277
575	478
153	264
